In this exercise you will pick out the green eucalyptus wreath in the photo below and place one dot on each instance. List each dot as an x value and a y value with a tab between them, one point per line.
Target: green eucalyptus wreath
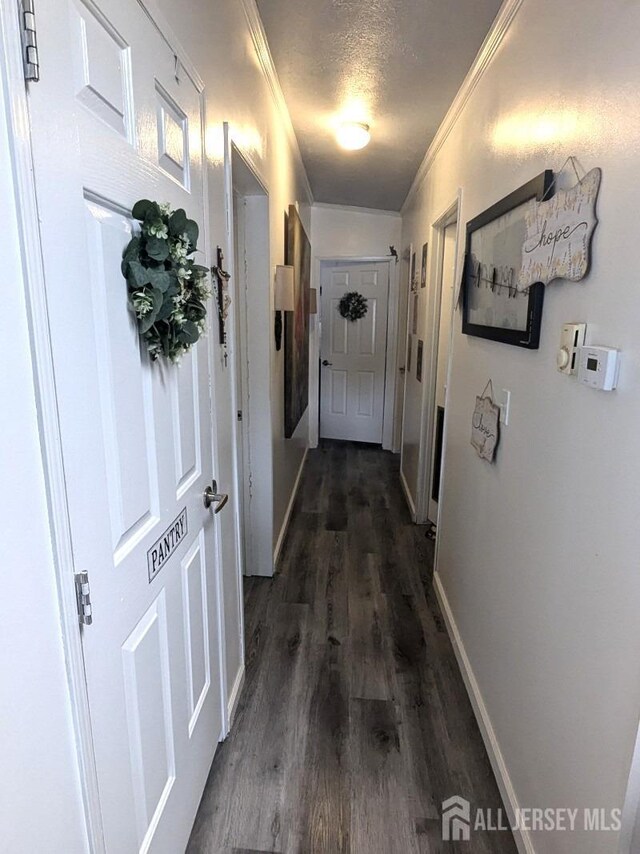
167	289
353	306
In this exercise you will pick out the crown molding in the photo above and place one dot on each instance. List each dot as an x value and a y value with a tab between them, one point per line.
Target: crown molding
259	38
490	45
356	209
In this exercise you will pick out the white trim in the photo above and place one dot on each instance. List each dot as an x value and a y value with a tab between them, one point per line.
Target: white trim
405	375
487	51
47	406
407	495
521	836
391	361
287	515
429	391
630	830
234	697
263	53
356	209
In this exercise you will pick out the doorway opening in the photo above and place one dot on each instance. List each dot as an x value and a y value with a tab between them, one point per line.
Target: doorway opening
446	242
249	358
357	356
423	449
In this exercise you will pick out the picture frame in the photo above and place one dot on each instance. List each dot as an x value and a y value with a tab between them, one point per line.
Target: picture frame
296	324
423	265
492	305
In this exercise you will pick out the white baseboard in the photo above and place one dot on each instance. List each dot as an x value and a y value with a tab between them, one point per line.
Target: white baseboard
232	705
522	837
407	495
287	515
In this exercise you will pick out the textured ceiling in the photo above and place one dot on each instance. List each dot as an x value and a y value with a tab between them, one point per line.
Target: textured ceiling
396	64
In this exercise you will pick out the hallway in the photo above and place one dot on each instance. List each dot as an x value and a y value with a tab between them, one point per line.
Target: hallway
354	723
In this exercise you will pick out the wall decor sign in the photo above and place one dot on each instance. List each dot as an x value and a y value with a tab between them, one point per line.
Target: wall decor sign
414	314
485	425
166	544
559	232
423	266
413	279
409	340
419	361
493	306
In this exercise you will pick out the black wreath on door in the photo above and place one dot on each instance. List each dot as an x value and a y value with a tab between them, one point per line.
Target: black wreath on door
353	306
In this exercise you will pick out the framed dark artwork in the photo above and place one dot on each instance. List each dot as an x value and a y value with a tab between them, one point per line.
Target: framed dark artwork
414	314
296	325
408	366
493	306
423	266
419	361
413	284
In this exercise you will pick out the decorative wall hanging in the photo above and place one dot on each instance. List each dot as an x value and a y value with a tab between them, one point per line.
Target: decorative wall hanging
167	289
423	266
485	425
296	339
353	306
413	277
492	305
414	313
559	233
419	361
410	339
222	298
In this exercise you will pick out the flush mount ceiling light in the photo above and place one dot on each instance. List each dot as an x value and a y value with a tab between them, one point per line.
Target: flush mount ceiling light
353	135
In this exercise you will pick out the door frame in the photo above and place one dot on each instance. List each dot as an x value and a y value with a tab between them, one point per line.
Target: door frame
451	214
248	527
405	374
391	360
33	281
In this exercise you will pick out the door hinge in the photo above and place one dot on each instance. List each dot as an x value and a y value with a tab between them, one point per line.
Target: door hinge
239	415
29	41
83	598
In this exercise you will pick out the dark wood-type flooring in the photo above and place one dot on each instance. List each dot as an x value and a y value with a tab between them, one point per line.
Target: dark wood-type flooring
354	723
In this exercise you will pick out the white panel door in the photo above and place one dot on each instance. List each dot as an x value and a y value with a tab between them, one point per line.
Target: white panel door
112	124
353	353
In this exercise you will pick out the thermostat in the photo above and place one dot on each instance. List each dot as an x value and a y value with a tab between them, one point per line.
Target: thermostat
599	367
571	339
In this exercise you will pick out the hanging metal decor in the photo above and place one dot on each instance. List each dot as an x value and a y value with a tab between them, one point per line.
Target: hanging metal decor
222	298
168	291
353	306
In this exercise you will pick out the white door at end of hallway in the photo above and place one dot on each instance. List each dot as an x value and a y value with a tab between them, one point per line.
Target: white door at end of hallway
353	353
114	120
444	340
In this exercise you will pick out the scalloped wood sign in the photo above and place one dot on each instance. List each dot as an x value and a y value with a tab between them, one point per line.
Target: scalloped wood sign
559	232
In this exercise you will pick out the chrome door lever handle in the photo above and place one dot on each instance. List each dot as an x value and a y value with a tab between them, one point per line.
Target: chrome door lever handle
211	496
326	363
